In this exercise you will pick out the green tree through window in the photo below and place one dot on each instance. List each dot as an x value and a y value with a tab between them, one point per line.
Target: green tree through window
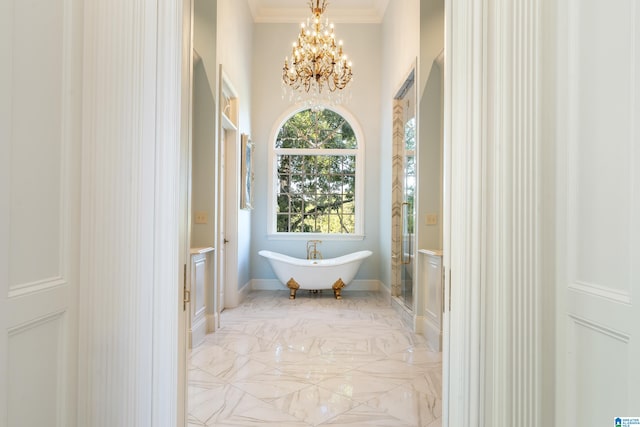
316	171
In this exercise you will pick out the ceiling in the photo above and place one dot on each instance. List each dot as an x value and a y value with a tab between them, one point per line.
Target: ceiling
339	11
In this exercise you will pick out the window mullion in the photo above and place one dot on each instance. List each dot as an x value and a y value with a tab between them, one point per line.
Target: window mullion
319	187
316	151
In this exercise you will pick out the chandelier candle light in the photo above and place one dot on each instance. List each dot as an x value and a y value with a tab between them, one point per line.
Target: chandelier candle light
319	71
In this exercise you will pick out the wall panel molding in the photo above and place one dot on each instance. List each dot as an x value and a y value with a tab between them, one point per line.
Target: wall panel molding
599	291
37	286
600	329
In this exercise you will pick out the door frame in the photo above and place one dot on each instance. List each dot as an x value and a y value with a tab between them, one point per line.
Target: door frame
184	214
228	195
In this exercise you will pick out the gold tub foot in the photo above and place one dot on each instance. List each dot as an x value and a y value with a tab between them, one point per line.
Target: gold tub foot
293	287
337	288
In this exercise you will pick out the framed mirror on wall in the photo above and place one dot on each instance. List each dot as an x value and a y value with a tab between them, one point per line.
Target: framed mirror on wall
246	188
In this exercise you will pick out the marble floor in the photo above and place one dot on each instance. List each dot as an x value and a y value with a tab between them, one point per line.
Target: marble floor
314	361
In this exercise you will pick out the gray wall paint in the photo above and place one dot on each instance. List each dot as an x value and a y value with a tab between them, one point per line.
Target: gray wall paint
203	115
430	124
235	35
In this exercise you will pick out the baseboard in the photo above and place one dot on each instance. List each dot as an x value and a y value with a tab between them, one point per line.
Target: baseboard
363	285
197	332
385	290
267	285
212	322
433	334
406	315
244	291
419	324
275	285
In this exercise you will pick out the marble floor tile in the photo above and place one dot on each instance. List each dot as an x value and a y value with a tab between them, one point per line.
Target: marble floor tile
272	384
364	415
410	405
314	404
314	361
231	406
360	387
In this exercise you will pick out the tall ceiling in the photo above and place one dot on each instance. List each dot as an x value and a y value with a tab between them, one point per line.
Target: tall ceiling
339	11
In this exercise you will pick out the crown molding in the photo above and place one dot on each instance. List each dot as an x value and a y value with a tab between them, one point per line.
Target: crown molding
277	12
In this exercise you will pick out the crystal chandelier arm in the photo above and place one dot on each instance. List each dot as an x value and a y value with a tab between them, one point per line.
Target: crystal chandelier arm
318	66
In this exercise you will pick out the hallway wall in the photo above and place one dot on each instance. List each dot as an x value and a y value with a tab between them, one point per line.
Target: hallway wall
430	101
400	48
203	122
234	47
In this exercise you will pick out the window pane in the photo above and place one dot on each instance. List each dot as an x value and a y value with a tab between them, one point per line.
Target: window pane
322	188
316	192
323	129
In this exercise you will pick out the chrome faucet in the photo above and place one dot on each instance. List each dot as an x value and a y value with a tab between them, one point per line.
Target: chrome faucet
312	249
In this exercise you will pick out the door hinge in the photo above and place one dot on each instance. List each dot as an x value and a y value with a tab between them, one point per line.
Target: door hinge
186	293
450	285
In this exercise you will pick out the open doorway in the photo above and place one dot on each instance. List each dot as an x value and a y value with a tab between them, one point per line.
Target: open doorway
224	140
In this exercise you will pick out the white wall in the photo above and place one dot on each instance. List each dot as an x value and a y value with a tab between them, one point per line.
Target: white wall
430	123
234	47
203	122
400	48
271	44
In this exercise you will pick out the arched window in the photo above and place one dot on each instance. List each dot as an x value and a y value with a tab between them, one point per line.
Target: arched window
317	176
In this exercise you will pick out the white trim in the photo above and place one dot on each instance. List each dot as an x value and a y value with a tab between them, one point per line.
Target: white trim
335	13
227	194
197	332
496	304
272	189
244	291
128	268
447	212
385	291
464	72
308	236
167	179
212	322
600	291
355	285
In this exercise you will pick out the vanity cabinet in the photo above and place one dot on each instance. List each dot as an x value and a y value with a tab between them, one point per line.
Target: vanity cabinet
432	275
199	277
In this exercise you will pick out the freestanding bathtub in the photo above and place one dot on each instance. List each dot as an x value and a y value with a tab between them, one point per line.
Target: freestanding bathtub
315	274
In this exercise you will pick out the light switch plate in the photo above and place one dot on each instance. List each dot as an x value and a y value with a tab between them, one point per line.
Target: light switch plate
432	219
201	217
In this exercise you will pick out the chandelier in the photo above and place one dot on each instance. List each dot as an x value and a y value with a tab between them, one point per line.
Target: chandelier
318	71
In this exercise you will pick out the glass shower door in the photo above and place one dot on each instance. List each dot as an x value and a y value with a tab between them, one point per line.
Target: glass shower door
403	193
408	212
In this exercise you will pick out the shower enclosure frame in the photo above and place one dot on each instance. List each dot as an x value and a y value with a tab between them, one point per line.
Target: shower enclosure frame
404	242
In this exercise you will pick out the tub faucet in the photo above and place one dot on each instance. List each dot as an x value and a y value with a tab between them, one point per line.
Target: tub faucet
312	249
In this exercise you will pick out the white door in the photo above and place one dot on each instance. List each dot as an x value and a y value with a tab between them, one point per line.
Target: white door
598	207
222	243
40	127
230	202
